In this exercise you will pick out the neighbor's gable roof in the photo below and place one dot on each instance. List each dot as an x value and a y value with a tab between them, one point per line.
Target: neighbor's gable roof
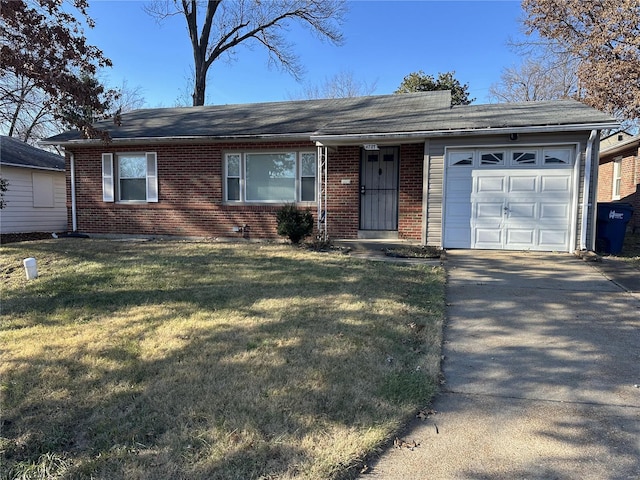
16	153
627	143
390	116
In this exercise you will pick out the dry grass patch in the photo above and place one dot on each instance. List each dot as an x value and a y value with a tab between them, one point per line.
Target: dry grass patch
167	360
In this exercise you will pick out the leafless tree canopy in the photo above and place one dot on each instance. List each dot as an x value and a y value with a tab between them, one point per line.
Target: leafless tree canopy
217	27
546	75
605	36
25	110
341	85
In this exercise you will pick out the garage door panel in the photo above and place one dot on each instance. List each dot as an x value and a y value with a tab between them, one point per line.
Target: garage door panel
489	211
489	238
552	239
489	184
523	238
523	184
556	211
522	211
460	185
556	183
459	210
458	237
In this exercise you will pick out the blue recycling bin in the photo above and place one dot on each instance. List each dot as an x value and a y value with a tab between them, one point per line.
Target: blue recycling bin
611	226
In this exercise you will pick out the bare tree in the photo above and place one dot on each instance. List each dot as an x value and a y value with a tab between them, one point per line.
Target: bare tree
25	110
605	36
341	85
217	27
546	76
129	98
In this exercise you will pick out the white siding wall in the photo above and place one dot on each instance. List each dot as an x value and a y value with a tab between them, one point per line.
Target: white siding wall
27	210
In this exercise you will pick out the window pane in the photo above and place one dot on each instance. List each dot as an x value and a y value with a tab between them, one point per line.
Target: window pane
309	165
560	156
524	158
461	158
492	158
271	177
233	165
233	189
132	167
133	189
308	193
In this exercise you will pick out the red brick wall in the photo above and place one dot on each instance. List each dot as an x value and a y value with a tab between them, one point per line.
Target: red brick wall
410	186
629	184
190	180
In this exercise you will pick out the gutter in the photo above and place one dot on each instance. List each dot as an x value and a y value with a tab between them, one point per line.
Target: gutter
304	137
421	135
32	167
351	138
586	191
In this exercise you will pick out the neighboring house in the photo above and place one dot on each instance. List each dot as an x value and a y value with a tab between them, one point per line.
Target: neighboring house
36	195
614	139
408	166
619	173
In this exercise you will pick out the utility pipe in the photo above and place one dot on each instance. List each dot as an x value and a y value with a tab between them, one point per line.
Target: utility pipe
72	166
586	191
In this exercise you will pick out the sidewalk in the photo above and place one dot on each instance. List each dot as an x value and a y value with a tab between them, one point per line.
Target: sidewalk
542	364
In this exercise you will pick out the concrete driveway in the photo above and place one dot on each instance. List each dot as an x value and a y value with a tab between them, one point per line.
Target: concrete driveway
542	369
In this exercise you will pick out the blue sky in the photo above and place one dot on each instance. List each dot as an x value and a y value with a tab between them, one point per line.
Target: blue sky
384	41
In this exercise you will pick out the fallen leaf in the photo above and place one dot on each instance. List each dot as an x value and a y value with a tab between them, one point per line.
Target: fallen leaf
425	413
399	443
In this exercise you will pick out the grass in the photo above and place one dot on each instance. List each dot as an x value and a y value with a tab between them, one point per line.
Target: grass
413	251
179	360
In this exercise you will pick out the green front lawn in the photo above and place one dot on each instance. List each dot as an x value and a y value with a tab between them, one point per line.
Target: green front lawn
185	360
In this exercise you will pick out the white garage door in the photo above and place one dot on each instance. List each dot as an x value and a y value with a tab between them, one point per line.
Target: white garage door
509	199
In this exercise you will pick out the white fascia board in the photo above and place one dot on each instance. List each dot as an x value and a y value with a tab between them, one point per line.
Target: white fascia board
417	136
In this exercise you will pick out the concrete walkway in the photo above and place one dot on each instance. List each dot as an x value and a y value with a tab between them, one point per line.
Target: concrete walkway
542	369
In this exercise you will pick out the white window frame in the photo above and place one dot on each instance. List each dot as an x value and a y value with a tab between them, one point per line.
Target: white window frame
616	181
111	181
242	180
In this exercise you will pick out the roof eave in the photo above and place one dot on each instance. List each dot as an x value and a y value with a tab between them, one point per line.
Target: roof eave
33	167
416	136
86	142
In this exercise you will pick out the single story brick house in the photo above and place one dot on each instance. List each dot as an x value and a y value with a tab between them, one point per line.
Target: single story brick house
408	166
619	173
36	193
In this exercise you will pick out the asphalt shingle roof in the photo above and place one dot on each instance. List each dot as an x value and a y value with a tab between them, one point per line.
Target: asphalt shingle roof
16	152
383	114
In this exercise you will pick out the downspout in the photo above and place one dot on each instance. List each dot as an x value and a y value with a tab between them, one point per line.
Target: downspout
325	213
72	166
322	193
586	191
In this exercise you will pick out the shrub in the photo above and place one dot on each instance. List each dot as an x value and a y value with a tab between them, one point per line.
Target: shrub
293	223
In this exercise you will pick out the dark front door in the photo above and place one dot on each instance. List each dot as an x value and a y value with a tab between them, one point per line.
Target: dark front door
379	189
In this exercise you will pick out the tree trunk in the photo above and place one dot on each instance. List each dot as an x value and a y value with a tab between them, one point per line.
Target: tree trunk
200	84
